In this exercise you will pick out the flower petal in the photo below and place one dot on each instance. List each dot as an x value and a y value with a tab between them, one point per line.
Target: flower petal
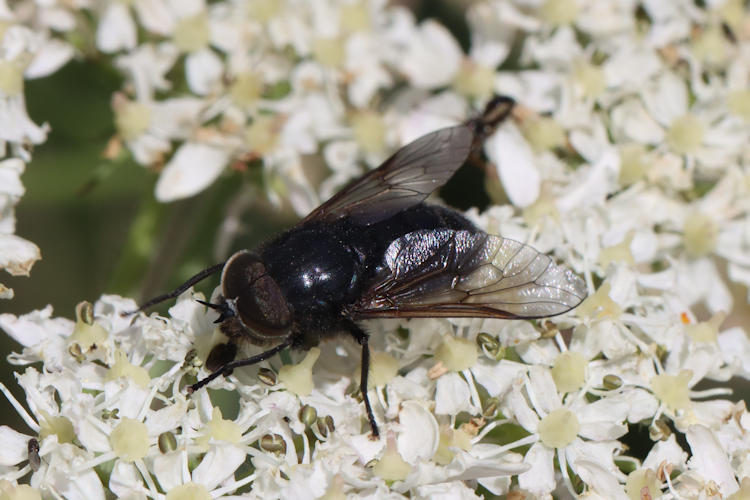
512	155
192	169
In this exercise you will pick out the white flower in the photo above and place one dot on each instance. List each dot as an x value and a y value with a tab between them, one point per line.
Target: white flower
558	430
193	167
510	152
116	30
147	127
709	460
425	45
17	255
147	66
625	158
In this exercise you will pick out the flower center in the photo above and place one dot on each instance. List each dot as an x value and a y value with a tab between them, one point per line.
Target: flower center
457	354
132	119
129	440
569	371
369	131
673	390
700	235
192	33
298	378
559	428
685	134
559	12
11	78
739	103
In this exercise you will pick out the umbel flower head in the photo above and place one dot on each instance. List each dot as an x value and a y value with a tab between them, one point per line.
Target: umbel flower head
626	159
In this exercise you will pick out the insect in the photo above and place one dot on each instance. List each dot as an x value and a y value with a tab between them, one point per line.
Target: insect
376	250
34	460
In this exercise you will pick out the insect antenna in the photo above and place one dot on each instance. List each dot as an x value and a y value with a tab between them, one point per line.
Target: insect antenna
177	291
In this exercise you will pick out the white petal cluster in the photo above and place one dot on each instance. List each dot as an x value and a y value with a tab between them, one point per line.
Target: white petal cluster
626	159
32	45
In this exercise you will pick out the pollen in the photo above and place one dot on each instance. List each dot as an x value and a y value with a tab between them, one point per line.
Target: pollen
220	429
544	206
123	368
87	335
8	491
569	371
700	235
369	131
710	47
474	80
129	440
599	304
559	12
642	483
298	378
192	33
633	164
673	390
262	134
590	78
131	118
543	133
451	438
60	426
246	88
559	428
707	331
329	52
618	253
391	466
264	10
685	135
189	491
383	369
457	354
354	17
739	103
11	78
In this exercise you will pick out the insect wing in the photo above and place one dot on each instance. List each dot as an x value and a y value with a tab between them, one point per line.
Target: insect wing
403	180
448	273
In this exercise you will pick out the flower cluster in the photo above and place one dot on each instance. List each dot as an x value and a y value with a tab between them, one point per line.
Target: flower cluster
626	159
29	49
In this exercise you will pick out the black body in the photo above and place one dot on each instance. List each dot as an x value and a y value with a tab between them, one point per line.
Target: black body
323	269
376	250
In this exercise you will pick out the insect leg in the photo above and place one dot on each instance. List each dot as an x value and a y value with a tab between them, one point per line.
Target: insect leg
362	338
177	291
228	367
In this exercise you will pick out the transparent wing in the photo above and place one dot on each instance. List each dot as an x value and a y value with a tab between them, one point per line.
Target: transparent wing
403	180
413	172
448	273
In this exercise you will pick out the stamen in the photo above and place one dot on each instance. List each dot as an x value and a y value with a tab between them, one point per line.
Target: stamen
564	471
20	409
153	493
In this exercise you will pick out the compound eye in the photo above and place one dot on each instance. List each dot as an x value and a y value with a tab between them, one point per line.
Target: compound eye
260	304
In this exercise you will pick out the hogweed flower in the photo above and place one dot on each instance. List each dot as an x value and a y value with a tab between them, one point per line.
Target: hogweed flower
626	158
